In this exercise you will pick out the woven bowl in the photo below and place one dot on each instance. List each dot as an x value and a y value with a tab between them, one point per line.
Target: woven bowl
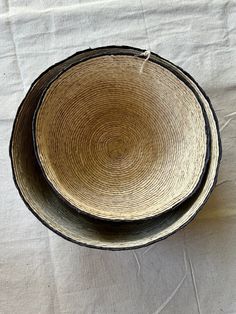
66	221
119	137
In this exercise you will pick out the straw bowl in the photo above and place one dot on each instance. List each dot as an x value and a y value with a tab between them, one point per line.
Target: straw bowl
121	138
65	220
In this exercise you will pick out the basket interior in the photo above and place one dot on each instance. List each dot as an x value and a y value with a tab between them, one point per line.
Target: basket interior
121	138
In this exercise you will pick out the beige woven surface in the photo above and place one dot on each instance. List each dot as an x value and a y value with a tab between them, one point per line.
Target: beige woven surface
120	143
58	216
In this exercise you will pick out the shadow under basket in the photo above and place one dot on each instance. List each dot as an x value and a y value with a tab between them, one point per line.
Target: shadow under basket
145	137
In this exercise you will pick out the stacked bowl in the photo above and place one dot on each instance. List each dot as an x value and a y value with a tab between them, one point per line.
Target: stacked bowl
115	148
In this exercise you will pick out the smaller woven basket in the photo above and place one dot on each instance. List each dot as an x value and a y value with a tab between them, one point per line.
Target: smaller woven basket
65	220
119	137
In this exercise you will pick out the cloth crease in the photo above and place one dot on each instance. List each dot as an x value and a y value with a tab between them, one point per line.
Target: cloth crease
145	24
14	45
168	300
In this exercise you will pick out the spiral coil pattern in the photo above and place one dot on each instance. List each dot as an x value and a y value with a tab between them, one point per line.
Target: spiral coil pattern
119	144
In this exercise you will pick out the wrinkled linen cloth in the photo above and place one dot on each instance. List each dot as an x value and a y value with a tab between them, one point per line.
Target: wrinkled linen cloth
193	271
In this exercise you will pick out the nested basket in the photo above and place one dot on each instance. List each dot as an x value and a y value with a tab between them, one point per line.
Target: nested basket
118	139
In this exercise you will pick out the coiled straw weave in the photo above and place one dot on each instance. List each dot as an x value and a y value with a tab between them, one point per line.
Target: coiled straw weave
63	219
121	144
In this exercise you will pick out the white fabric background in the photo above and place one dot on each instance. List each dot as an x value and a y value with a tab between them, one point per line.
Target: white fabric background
193	271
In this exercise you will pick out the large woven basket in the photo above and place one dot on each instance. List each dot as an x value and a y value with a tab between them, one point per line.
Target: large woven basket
64	219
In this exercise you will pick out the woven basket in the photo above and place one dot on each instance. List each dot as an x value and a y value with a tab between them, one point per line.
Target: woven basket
121	138
65	220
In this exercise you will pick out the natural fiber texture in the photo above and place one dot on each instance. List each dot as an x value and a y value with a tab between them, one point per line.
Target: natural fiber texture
65	221
119	144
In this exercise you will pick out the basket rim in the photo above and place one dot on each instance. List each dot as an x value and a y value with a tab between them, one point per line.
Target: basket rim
115	51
